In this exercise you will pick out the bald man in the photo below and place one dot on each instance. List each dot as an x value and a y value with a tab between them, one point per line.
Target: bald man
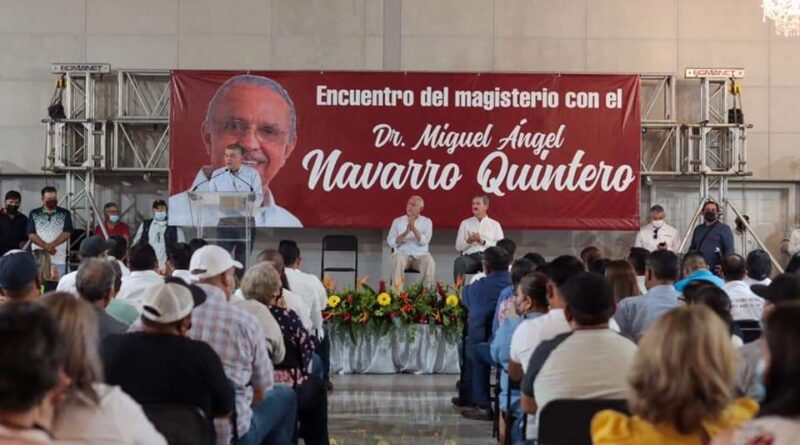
256	114
409	238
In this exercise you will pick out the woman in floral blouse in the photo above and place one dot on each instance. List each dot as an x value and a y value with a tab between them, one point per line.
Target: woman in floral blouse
262	283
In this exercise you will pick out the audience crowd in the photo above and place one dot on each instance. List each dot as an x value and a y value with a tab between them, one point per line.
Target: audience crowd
671	344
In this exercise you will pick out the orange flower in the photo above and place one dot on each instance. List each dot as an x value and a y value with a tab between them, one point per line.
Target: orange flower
362	282
329	283
364	317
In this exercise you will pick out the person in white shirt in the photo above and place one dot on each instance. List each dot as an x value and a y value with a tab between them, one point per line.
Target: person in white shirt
409	237
158	233
475	234
759	268
91	247
178	259
745	305
257	113
743	241
657	234
144	265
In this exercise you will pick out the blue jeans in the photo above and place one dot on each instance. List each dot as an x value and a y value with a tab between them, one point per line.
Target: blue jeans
481	368
274	419
317	367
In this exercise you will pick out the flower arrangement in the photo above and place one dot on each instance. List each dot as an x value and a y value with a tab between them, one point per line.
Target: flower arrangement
359	309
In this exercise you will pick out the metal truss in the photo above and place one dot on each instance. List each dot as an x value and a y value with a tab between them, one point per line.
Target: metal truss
660	152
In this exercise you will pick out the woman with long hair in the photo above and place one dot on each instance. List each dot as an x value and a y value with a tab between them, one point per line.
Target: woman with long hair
92	413
680	385
622	277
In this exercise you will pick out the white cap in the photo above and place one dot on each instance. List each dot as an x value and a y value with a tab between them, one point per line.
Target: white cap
167	302
210	261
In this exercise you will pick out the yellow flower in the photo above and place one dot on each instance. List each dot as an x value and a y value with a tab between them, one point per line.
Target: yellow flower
384	299
334	300
451	300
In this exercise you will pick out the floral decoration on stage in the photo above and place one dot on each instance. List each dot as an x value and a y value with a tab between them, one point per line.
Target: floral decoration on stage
360	309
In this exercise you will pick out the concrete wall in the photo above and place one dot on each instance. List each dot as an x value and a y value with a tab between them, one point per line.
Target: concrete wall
647	36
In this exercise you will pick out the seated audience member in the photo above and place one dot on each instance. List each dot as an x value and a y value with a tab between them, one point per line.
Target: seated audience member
300	304
590	362
95	283
118	250
121	311
759	268
694	267
599	266
262	285
251	304
19	277
622	277
311	289
144	273
794	265
778	421
745	305
196	243
505	244
704	293
589	255
160	364
92	411
535	258
530	303
636	314
48	272
91	247
480	299
265	412
530	333
637	256
784	289
31	377
506	300
178	258
680	385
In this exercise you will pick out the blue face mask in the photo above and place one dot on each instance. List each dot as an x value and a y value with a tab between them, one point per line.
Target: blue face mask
160	216
113	219
761	390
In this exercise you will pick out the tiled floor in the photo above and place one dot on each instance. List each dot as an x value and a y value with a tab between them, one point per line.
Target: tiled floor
400	410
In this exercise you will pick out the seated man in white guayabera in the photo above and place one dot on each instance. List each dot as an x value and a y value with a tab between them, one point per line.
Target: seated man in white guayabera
256	113
409	237
475	234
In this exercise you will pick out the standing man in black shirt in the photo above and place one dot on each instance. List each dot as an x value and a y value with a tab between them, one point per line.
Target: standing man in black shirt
13	224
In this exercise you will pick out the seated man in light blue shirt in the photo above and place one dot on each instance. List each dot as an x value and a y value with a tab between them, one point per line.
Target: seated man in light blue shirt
695	268
636	314
409	237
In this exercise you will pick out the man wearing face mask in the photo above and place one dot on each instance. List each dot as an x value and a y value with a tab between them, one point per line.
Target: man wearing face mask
157	232
657	235
257	114
49	229
13	224
713	239
113	224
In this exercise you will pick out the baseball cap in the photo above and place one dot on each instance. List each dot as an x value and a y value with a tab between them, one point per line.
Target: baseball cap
209	261
17	270
93	246
785	287
169	302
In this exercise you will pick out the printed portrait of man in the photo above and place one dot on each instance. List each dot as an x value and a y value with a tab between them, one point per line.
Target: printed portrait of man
256	115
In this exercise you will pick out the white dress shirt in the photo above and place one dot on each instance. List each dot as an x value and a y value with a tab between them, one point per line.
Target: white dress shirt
489	229
745	305
67	283
313	293
246	179
184	275
666	234
411	246
134	285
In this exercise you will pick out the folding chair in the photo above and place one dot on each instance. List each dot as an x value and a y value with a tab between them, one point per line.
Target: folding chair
568	421
340	243
750	329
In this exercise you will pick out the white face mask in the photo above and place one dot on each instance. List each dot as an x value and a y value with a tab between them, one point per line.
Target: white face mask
658	223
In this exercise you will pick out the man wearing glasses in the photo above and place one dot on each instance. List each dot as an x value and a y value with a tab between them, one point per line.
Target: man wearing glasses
657	235
256	115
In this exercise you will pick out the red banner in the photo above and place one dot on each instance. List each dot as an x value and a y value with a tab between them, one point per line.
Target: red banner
347	149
